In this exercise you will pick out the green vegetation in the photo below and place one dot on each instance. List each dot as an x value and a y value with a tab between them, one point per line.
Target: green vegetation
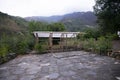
37	26
74	25
108	13
16	35
42	26
98	44
12	25
56	27
77	21
16	43
41	47
92	33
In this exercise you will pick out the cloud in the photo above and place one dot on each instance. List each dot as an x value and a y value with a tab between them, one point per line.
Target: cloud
25	8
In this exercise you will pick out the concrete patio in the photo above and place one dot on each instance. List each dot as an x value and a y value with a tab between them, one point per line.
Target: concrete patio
75	65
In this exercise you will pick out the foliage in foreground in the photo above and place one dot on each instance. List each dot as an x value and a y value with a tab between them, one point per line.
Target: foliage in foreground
108	13
93	41
23	42
41	47
18	44
101	46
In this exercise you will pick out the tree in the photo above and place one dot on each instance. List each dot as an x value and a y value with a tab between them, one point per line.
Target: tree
108	13
56	27
37	26
91	33
42	26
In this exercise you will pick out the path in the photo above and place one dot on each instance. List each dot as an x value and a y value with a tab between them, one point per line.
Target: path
75	65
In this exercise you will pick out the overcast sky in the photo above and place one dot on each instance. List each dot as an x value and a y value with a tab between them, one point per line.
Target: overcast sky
26	8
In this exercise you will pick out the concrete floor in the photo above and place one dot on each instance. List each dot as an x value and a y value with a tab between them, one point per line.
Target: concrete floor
74	65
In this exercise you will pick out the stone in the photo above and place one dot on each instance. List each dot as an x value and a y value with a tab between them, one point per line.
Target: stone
116	63
33	70
27	77
53	76
18	71
118	78
3	68
13	77
45	69
68	73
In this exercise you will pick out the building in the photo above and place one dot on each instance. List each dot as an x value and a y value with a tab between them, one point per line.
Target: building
46	34
52	36
57	40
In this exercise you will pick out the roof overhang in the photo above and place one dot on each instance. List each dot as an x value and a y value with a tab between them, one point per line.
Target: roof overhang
55	34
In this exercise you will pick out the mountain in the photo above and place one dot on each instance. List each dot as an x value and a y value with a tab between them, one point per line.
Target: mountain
45	19
76	21
10	24
87	18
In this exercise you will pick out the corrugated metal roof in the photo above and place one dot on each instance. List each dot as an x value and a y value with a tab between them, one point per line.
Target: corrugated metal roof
55	34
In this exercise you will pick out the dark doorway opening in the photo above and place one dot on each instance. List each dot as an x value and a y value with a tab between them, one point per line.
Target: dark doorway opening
56	41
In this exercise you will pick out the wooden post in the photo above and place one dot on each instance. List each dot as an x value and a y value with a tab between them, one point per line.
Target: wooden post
37	38
50	42
66	41
75	45
61	40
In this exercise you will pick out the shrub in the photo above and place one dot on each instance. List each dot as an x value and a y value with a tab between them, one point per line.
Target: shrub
112	36
102	45
22	47
91	33
28	40
4	46
38	47
16	43
41	47
89	44
81	36
3	51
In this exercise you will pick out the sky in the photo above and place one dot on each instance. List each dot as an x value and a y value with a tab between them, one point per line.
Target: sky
25	8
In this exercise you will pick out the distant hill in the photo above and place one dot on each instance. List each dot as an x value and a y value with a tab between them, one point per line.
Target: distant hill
45	19
79	21
10	24
76	21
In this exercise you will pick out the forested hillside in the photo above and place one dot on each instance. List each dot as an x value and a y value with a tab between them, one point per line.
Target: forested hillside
79	21
45	19
76	21
10	24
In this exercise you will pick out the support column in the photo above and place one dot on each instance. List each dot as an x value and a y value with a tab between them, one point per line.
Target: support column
66	41
61	40
75	44
50	42
37	39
